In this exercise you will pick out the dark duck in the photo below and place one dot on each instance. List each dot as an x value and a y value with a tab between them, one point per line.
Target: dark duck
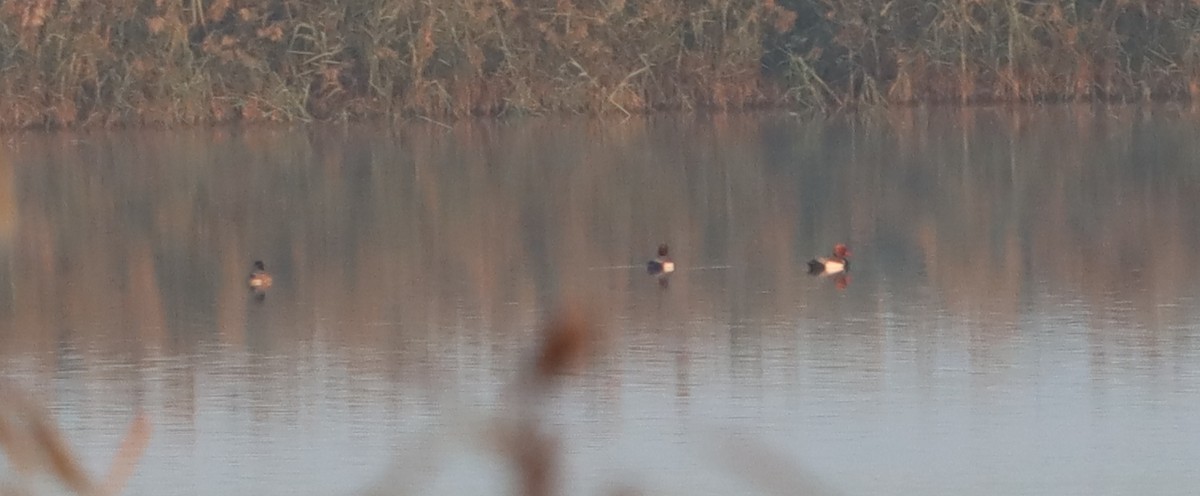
260	279
662	264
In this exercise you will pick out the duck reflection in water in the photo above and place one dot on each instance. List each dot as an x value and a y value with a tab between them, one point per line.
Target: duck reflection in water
841	280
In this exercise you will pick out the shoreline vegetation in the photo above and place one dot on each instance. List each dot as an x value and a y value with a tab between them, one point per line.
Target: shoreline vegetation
167	62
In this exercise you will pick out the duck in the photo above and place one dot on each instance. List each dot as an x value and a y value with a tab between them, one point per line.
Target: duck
661	265
260	279
835	264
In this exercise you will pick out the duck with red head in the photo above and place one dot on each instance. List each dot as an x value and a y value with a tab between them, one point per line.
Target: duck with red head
838	263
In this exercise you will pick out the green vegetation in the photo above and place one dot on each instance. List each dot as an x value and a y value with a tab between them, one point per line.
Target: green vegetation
113	62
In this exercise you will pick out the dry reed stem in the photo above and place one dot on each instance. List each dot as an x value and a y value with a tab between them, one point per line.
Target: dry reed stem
565	343
132	447
63	463
517	435
764	468
20	454
32	443
533	453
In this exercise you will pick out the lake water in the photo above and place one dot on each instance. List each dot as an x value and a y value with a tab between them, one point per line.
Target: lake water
1022	314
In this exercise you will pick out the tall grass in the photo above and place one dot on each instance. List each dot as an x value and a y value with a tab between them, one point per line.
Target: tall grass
999	50
116	62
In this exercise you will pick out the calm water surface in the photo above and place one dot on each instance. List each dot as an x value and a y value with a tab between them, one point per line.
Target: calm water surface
1022	315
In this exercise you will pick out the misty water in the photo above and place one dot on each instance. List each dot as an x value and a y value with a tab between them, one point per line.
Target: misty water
1020	316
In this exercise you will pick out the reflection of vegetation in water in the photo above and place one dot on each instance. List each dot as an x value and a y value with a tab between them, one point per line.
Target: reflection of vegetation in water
1098	212
152	237
126	61
132	246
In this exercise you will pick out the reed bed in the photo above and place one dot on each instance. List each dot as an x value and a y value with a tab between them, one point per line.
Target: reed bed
123	62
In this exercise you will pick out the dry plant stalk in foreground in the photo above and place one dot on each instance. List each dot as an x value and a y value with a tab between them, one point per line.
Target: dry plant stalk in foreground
517	433
534	453
34	447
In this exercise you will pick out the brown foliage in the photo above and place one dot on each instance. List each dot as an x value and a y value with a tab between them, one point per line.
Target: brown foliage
83	63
